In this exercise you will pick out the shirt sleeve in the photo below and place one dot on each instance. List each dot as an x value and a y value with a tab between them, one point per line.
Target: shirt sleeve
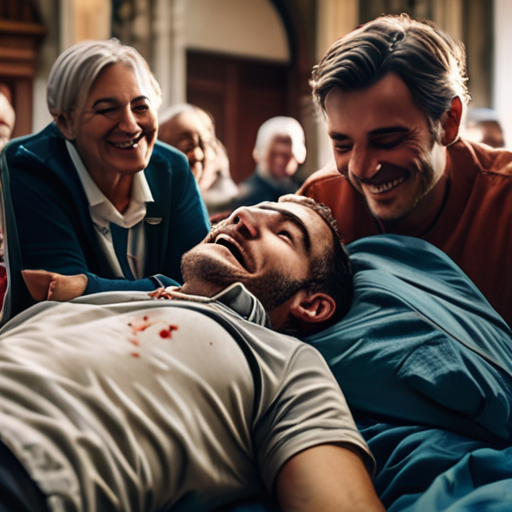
309	409
97	284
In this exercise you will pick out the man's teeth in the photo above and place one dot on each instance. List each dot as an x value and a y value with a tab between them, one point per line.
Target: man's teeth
385	186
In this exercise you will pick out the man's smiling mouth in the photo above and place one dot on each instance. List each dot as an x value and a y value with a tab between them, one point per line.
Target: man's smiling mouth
380	188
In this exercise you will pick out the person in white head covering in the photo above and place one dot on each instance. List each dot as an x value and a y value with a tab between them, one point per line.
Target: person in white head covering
279	150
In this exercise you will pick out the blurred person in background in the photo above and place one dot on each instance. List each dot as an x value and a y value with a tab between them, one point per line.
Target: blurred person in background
95	193
192	130
7	120
183	127
279	150
7	115
482	125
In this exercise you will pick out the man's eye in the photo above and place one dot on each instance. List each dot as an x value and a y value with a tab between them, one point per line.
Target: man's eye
286	234
388	142
342	148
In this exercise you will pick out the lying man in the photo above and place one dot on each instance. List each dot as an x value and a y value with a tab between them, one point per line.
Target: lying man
124	402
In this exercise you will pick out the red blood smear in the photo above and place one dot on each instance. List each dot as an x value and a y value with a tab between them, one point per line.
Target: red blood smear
134	354
165	333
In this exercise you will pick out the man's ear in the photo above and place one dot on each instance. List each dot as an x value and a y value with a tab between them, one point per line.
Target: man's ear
311	309
66	124
451	122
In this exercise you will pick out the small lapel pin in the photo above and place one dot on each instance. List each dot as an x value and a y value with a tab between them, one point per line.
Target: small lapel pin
153	221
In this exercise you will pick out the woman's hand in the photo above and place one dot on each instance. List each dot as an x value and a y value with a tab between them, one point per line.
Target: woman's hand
44	285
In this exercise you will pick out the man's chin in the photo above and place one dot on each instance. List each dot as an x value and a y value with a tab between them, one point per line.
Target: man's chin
391	213
199	264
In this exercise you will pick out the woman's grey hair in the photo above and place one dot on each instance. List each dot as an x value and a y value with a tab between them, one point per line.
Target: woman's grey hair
428	60
76	69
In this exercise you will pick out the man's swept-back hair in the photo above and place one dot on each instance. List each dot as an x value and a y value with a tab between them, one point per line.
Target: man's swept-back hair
331	273
76	69
428	60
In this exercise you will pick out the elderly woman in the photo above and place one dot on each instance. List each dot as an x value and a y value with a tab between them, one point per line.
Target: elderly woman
95	193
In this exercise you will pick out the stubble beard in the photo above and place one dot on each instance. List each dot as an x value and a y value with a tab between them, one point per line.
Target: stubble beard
271	289
427	174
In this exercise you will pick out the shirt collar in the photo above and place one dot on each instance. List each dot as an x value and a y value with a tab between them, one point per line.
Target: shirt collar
236	297
141	194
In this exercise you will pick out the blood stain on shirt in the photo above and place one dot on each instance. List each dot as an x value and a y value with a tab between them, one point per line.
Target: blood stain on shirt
140	325
167	333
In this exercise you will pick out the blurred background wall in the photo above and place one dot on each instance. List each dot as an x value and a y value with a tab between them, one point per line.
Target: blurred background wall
243	60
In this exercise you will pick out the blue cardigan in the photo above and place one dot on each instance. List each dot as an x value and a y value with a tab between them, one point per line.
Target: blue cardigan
55	228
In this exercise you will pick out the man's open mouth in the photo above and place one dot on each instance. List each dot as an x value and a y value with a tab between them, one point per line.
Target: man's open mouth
233	249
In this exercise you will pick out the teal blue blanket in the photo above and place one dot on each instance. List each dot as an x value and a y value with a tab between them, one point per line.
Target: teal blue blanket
426	366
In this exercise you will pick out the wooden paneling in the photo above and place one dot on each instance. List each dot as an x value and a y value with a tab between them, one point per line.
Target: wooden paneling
20	35
240	94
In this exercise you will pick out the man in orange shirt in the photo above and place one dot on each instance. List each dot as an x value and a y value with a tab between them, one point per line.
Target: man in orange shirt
393	92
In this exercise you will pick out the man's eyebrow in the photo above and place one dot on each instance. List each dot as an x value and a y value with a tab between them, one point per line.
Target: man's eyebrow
374	133
338	136
294	218
115	100
389	129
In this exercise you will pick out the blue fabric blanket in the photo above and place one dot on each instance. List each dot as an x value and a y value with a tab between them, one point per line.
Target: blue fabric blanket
426	366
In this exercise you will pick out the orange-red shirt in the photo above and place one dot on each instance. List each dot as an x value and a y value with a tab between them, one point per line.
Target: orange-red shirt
474	226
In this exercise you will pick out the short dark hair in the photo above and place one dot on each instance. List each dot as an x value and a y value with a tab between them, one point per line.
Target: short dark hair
332	272
426	59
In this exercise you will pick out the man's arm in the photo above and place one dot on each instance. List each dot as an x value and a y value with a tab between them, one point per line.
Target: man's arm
326	478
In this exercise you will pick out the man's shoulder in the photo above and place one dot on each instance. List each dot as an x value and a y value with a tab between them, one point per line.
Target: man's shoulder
323	180
485	160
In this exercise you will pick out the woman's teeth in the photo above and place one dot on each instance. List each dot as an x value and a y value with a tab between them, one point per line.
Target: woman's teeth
125	145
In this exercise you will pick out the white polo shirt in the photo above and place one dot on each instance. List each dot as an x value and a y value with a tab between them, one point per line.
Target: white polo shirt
120	402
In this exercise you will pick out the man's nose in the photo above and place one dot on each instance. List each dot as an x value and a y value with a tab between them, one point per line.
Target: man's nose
362	164
247	221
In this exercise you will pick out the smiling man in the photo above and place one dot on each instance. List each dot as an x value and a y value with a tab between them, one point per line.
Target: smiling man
393	93
123	402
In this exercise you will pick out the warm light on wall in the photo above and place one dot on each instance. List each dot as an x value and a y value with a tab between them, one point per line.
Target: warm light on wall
92	19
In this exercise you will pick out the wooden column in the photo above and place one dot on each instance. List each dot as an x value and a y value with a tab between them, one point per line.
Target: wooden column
20	35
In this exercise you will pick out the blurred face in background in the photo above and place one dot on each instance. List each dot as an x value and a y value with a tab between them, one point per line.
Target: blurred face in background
279	159
7	117
189	133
